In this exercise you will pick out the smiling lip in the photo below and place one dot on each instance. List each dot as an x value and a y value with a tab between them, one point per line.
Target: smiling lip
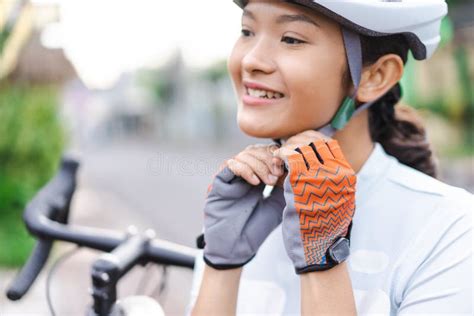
258	86
254	101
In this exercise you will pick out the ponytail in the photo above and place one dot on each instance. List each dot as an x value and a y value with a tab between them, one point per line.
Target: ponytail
401	133
398	129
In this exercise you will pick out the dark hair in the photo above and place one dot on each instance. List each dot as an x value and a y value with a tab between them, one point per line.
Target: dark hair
398	129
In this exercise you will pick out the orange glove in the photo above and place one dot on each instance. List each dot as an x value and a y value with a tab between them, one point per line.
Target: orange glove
320	204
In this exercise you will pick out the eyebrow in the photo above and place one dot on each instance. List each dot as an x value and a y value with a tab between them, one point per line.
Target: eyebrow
296	18
248	14
287	18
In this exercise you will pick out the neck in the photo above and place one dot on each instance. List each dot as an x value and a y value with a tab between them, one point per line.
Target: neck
355	140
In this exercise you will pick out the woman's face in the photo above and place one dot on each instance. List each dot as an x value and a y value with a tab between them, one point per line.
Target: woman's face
287	69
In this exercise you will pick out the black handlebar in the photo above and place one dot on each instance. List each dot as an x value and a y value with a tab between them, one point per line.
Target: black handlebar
46	217
30	270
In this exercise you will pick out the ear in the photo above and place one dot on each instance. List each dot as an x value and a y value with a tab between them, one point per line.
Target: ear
380	77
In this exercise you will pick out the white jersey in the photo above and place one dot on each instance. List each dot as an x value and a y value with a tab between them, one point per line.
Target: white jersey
411	249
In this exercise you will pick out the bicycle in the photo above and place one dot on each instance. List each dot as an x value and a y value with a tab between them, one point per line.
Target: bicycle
46	217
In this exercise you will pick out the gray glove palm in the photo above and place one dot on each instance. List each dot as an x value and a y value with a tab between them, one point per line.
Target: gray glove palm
238	219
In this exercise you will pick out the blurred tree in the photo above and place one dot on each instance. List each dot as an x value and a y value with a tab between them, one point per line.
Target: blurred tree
457	2
14	32
463	15
452	100
31	142
216	72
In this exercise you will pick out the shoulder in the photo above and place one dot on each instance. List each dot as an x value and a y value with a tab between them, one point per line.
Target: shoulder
387	186
409	209
439	215
419	187
437	256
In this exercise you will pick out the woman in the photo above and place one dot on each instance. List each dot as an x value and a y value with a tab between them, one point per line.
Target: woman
361	183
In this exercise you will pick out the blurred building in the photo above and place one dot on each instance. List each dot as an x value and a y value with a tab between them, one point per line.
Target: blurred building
16	21
40	65
193	104
23	57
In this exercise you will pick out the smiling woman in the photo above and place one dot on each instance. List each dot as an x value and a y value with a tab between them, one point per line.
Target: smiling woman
364	230
268	57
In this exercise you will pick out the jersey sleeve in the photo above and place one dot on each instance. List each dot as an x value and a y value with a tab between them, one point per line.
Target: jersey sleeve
436	276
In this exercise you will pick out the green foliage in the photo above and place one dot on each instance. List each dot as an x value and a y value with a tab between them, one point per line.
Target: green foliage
216	72
4	34
163	90
453	102
160	85
31	142
457	2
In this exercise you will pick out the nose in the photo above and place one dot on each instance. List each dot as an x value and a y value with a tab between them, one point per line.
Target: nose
259	58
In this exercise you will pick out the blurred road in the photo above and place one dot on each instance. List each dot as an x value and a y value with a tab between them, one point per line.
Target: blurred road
150	186
137	183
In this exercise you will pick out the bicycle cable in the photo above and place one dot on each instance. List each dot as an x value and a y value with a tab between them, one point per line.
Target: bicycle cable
51	271
144	281
159	289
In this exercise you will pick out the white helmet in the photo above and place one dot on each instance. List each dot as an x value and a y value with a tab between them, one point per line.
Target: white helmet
419	21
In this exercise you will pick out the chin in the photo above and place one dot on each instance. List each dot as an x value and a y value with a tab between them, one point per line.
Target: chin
259	128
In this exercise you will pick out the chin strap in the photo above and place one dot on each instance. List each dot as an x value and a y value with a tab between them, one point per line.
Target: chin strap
347	110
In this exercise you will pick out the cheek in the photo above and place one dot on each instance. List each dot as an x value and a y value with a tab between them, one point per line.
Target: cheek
315	87
234	65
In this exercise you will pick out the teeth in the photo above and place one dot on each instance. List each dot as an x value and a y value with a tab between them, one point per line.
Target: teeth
264	94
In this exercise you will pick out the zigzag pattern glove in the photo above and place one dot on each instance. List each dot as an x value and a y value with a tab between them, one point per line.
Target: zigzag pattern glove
320	199
237	219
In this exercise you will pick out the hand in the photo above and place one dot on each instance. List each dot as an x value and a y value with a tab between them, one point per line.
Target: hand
257	164
293	143
237	217
320	201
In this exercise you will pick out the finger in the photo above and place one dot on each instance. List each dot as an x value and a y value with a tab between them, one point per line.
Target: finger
265	154
273	147
284	152
306	139
297	163
300	140
242	170
259	167
336	149
323	150
278	164
310	157
294	160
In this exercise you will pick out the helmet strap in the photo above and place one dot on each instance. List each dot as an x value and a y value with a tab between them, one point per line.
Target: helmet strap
347	109
354	59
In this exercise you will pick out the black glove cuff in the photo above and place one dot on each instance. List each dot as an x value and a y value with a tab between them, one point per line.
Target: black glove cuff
226	266
200	242
336	254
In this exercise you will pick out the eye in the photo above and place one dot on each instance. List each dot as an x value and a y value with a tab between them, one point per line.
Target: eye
246	33
291	40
